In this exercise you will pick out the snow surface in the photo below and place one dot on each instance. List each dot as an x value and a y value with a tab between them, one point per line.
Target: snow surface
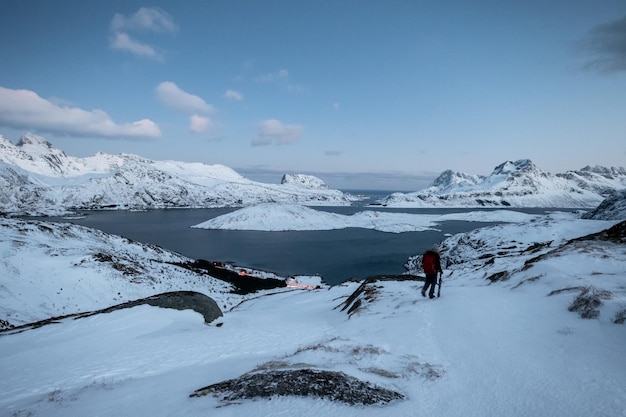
282	217
501	348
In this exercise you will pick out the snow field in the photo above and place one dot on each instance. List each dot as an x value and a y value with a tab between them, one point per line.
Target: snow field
482	349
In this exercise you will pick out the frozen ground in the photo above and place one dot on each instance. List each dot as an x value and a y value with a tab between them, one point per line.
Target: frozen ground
496	343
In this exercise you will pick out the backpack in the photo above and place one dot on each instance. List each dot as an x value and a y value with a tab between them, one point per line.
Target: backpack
429	263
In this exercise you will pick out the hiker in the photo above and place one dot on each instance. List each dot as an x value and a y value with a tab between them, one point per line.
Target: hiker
431	264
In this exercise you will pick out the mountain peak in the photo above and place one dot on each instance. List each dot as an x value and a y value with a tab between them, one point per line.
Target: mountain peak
33	140
509	167
306	181
449	178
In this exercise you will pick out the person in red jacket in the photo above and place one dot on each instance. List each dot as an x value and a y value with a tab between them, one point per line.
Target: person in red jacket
431	264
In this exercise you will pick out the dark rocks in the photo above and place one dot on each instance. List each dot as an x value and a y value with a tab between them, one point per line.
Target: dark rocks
588	302
612	208
178	300
243	283
334	386
367	291
187	300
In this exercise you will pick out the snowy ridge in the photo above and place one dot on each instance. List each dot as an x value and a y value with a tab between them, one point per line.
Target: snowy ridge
511	310
40	179
515	184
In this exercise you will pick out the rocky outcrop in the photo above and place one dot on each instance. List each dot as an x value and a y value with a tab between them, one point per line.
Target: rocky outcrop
178	300
330	385
612	208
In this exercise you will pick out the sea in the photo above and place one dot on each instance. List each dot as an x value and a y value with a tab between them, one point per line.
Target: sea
335	255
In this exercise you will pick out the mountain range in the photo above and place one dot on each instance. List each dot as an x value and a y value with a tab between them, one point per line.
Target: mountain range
37	178
516	184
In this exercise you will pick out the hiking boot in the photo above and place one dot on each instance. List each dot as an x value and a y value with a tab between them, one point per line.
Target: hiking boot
423	293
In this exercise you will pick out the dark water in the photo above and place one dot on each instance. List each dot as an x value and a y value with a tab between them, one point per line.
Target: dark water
336	255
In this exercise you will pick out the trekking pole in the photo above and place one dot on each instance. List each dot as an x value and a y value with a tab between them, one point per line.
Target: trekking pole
439	289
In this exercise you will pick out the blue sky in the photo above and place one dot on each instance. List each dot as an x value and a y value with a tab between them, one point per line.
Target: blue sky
363	94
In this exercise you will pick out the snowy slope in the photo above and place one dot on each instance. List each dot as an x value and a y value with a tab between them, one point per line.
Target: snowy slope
516	184
500	341
52	269
281	217
40	179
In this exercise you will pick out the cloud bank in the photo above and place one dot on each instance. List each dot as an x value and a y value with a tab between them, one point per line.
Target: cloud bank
274	130
199	124
24	109
146	19
175	98
233	95
607	45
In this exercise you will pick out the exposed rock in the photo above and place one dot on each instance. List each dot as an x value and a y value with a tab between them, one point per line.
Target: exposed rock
178	300
612	208
334	386
588	302
616	234
244	284
368	292
186	300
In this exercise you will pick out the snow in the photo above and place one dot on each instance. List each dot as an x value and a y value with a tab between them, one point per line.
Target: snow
485	348
282	217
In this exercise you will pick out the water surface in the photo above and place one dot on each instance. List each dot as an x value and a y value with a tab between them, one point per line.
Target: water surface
336	255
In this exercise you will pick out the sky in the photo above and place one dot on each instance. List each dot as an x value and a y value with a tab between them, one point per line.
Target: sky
364	94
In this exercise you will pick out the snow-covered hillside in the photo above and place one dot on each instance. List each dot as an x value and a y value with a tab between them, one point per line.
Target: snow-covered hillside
516	184
37	178
530	322
280	217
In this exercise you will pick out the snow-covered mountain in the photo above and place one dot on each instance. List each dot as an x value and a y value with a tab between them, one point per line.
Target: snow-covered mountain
515	184
530	322
38	178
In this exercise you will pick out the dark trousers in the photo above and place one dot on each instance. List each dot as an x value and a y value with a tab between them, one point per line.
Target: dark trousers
431	281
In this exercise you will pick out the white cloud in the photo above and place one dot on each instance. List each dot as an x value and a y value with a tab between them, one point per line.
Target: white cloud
180	100
24	109
199	124
123	42
149	19
233	95
273	129
274	77
146	19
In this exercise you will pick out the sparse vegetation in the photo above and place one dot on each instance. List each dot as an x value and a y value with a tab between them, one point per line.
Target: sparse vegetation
588	302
